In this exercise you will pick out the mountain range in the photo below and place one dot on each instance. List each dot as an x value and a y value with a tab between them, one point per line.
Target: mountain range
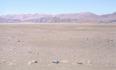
86	17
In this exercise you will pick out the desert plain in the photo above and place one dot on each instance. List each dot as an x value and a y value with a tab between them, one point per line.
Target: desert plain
57	46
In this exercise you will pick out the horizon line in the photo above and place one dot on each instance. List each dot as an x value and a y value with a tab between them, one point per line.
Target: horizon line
55	13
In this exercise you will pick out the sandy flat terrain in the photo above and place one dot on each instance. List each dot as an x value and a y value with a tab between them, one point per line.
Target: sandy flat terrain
57	47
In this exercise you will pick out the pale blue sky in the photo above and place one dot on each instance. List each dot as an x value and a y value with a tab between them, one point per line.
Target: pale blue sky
57	6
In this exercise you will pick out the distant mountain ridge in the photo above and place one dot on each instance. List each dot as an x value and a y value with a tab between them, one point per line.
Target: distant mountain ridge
86	17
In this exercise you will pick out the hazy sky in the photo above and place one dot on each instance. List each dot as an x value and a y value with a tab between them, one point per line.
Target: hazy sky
57	6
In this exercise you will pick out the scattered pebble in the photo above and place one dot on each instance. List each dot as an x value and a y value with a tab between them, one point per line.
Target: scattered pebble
56	61
30	52
3	61
36	62
32	62
87	39
87	62
18	41
110	41
80	63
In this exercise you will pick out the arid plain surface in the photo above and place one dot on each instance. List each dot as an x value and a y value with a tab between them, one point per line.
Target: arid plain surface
57	47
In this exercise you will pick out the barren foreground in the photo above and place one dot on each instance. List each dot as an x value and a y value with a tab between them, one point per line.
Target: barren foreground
57	47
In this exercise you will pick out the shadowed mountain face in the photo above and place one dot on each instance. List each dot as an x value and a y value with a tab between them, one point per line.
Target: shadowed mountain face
86	17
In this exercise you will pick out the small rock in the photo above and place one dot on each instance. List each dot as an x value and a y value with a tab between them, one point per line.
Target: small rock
80	63
35	61
32	62
56	61
18	41
3	61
